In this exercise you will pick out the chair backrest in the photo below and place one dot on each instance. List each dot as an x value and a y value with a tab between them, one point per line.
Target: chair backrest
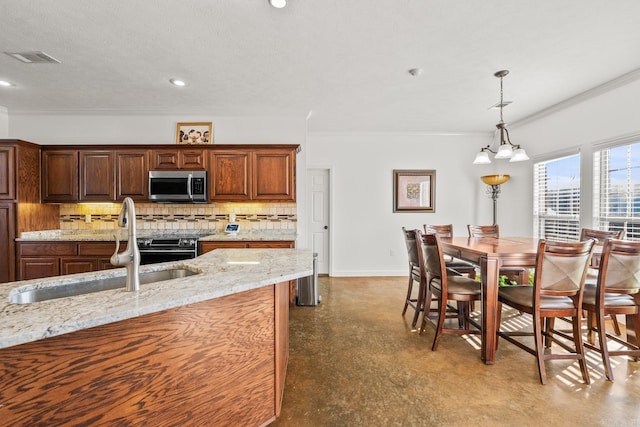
483	230
443	230
561	267
431	256
600	235
620	266
411	241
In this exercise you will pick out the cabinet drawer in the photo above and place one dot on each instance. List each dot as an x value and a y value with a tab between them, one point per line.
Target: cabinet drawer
98	249
47	249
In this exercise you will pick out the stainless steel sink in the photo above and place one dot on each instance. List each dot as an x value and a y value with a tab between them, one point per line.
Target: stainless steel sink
89	286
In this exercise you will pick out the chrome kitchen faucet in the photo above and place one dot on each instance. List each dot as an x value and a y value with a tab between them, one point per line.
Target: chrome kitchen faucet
130	258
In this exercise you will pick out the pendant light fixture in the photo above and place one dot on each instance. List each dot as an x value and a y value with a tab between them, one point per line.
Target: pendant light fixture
506	150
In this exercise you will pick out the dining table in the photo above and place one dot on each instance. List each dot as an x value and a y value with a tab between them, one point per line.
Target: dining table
491	254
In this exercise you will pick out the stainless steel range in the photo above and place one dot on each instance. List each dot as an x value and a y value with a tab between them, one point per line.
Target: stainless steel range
163	248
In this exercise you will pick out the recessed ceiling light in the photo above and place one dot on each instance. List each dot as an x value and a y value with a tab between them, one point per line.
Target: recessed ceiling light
177	82
279	4
6	83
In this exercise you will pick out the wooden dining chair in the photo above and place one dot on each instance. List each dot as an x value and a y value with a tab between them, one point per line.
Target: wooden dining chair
417	302
518	275
463	267
483	230
592	275
445	285
617	291
557	291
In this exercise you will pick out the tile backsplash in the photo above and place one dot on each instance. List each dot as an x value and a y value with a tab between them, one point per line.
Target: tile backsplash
154	216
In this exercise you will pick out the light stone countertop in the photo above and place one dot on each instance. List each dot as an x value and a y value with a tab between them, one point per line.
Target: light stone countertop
107	235
223	272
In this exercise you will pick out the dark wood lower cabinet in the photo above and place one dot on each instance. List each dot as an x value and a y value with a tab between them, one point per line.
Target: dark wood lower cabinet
78	265
37	268
47	259
217	362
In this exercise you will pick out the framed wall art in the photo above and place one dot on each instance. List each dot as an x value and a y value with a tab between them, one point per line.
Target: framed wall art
414	190
194	133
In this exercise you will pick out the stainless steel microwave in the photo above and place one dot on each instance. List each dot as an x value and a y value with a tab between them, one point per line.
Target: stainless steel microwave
178	186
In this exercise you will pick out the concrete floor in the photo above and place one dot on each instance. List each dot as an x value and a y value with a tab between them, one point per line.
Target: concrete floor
355	361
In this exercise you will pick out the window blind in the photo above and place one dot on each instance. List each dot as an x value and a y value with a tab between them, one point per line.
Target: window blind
556	193
616	189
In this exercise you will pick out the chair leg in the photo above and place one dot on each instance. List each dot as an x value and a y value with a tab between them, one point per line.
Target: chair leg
419	305
550	323
616	325
409	291
537	335
591	326
427	309
442	314
604	349
577	339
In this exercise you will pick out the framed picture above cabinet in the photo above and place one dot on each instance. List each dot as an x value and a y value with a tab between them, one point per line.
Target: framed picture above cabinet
194	133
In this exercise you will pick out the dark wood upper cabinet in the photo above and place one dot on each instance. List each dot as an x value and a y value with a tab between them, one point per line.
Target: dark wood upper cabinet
274	175
174	159
230	178
60	176
97	169
111	173
132	174
7	173
264	174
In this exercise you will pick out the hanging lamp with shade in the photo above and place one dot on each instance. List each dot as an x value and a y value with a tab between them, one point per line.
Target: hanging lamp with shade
506	149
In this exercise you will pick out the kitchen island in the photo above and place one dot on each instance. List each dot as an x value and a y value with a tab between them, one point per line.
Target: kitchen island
209	347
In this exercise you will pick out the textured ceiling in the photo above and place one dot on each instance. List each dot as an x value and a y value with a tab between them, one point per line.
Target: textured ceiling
343	63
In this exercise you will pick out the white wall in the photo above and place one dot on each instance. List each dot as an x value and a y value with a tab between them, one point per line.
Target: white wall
364	229
119	129
4	122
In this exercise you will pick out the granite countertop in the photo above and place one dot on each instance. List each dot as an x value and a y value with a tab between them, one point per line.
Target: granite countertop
222	272
108	235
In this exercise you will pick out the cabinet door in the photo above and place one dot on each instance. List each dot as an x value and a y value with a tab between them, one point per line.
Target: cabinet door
7	173
174	159
37	268
78	265
97	176
7	245
193	159
274	175
230	178
60	176
132	175
164	160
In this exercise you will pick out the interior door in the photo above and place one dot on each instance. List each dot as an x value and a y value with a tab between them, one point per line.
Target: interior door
318	190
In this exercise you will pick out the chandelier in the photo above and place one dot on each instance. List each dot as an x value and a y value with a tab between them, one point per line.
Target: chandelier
506	149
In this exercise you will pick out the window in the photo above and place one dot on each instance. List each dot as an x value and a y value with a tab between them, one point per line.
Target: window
556	203
616	189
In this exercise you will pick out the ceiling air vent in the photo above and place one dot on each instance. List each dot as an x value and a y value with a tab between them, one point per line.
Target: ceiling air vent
35	57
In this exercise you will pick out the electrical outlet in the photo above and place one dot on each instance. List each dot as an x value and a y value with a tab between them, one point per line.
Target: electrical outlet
87	218
392	252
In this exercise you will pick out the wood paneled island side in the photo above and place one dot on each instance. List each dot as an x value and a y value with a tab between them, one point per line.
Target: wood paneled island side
217	361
